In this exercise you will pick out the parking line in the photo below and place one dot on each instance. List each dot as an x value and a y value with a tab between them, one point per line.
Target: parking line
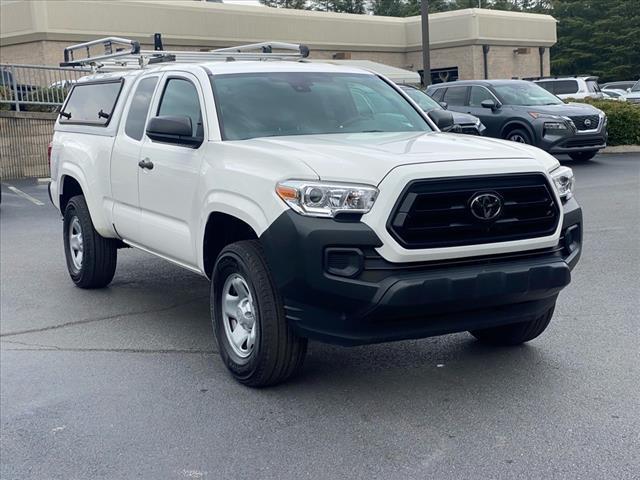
25	195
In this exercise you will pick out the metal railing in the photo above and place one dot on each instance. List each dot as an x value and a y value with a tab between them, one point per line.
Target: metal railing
35	87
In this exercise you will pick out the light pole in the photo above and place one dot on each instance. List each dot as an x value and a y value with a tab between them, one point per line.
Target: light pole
426	58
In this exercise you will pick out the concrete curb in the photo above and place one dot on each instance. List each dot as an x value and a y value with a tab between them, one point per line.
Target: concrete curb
622	149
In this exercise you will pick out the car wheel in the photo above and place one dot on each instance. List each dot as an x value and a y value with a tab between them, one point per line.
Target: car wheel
519	135
91	258
583	156
516	333
255	341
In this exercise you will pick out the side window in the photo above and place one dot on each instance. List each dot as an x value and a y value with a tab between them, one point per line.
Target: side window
180	98
91	103
437	94
478	94
139	109
548	86
564	87
456	96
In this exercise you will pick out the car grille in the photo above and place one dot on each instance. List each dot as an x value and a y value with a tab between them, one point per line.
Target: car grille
586	122
437	212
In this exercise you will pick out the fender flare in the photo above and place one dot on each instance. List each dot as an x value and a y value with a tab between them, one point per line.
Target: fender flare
236	205
519	124
99	219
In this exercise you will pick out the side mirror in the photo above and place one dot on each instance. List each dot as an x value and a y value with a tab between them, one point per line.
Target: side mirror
177	130
489	104
442	119
444	105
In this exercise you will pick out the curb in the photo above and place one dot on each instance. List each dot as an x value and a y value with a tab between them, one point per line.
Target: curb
621	149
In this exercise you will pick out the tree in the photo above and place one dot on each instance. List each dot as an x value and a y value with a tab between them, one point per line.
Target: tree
341	6
298	4
598	37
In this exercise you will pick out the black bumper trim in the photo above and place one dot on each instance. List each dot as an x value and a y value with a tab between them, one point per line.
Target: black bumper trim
407	301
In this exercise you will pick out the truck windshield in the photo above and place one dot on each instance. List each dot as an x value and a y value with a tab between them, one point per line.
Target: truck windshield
254	105
525	93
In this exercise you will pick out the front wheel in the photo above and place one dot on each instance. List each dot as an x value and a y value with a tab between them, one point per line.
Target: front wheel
516	333
583	156
254	338
91	258
519	135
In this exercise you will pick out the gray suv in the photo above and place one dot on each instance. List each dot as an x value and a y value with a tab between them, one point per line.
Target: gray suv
524	112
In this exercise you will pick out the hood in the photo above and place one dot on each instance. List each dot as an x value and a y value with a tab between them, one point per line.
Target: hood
368	157
563	110
463	118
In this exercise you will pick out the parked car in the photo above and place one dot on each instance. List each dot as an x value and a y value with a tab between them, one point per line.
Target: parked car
614	94
312	216
466	123
18	91
571	87
634	94
524	112
624	85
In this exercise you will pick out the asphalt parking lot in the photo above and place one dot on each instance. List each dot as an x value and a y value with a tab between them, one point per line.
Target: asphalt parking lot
125	382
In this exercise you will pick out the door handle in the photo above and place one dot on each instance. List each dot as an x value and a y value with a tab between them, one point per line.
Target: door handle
146	163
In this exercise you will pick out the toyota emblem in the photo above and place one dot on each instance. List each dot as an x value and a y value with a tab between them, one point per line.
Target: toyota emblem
486	206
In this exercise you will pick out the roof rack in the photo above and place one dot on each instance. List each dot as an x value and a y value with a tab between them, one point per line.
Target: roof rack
125	54
560	77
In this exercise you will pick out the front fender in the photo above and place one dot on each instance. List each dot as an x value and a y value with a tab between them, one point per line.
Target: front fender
258	216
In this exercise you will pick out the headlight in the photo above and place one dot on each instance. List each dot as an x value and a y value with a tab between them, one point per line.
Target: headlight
477	122
555	126
564	182
317	199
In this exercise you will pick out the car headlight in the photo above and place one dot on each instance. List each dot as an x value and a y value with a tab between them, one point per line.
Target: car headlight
564	182
318	199
477	122
555	126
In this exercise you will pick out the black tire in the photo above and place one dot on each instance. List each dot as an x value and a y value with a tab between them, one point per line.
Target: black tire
516	333
278	353
519	135
97	265
583	156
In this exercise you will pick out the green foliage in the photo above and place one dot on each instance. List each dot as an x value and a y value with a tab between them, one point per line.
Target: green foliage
623	120
341	6
5	94
299	4
597	37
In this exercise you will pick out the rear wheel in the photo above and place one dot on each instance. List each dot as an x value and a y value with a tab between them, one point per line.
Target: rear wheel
516	333
254	338
519	135
583	156
91	258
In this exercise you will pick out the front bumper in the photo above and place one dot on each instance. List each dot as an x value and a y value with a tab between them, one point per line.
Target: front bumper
382	301
571	140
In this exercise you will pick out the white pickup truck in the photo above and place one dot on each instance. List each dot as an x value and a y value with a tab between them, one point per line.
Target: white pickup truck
320	201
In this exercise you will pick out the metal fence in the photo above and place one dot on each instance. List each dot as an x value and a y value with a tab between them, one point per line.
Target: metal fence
35	87
24	137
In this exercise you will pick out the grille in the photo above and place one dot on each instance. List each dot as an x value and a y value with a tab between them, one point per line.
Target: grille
437	213
581	122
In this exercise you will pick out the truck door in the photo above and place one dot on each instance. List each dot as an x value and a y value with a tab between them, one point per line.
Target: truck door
125	157
169	174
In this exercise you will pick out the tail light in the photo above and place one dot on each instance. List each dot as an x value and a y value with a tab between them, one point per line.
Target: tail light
49	153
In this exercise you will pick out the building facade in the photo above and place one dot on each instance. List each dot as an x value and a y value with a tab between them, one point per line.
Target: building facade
465	44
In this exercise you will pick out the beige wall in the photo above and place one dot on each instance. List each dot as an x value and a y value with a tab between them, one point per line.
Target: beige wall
36	32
